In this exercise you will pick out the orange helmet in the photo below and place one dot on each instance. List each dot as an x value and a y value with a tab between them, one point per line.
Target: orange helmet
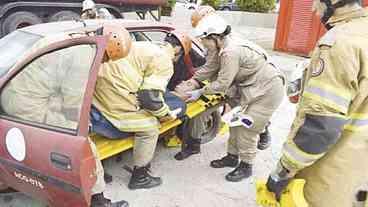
201	12
184	40
119	43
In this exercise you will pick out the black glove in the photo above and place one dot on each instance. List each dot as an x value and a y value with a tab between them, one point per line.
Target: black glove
277	186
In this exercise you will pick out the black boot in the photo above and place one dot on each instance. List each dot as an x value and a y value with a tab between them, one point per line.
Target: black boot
142	179
264	139
193	146
244	170
228	161
99	200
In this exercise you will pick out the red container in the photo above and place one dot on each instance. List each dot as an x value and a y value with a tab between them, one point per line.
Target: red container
298	28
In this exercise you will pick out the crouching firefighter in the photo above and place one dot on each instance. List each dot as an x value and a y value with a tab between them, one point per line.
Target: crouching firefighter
240	70
129	100
329	136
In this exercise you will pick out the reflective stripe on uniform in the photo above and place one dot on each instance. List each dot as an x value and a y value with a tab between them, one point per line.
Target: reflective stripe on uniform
338	99
161	112
358	122
341	92
295	158
136	121
312	140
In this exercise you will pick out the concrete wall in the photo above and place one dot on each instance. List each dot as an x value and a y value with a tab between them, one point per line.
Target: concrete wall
238	18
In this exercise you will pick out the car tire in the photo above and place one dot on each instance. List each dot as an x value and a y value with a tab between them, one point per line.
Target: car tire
226	9
18	20
64	16
213	123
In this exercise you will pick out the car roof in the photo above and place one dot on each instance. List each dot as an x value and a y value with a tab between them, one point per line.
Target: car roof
54	28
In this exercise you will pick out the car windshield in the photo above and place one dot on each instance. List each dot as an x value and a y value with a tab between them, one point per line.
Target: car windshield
14	46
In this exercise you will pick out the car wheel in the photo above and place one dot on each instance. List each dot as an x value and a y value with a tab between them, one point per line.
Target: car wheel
226	9
212	119
64	16
18	20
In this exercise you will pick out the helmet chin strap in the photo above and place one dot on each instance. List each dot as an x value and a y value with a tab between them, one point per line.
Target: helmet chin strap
217	45
216	42
331	10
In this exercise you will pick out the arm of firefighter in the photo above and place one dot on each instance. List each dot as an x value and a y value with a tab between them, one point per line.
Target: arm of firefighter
331	85
210	69
157	76
153	102
228	70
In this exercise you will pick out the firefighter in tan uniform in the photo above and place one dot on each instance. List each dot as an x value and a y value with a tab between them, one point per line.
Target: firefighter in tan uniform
129	98
328	142
246	77
118	47
208	72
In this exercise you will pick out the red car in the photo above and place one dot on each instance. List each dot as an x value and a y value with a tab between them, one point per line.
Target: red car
52	160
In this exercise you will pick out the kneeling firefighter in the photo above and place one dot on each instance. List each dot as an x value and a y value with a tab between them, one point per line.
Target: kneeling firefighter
244	74
329	136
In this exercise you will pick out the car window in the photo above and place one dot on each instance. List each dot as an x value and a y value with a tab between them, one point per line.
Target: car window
139	36
50	90
155	36
13	46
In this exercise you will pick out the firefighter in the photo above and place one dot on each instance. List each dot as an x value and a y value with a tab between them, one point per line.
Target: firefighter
182	71
244	74
207	73
328	140
201	12
196	126
118	47
89	10
192	129
129	98
185	58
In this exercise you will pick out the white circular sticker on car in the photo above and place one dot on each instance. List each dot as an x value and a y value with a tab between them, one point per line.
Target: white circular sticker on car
15	144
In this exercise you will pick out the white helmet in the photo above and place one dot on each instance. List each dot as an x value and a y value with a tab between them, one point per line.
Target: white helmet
211	24
88	5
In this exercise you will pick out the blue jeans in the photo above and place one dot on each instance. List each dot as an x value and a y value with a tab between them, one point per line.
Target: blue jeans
103	127
175	102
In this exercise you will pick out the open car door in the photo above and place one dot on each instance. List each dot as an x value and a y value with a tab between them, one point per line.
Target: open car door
45	102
